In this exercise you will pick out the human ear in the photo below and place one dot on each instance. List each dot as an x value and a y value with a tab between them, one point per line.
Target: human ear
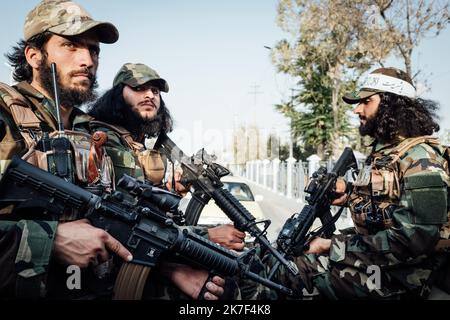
33	56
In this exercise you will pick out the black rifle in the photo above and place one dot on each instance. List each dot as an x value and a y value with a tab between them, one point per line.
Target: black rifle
203	176
59	148
146	232
149	196
294	237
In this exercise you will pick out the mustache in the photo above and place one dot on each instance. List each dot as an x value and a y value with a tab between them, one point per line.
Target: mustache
84	72
362	118
145	102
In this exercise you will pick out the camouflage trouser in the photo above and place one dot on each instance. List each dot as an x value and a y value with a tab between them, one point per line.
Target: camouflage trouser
251	290
321	278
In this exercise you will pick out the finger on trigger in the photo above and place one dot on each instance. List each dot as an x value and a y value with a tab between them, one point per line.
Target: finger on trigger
116	247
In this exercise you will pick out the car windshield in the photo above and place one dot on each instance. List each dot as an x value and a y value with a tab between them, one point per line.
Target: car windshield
240	190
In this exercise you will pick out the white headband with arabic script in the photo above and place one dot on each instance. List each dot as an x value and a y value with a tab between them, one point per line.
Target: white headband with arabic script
385	83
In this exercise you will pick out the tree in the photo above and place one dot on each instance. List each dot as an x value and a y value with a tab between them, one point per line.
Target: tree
310	108
408	22
299	152
333	45
248	144
335	41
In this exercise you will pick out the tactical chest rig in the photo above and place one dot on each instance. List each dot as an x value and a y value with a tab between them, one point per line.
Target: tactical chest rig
377	190
149	161
91	167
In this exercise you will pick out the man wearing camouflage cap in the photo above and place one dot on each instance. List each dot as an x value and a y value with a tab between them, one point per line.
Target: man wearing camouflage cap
134	107
398	203
131	112
35	253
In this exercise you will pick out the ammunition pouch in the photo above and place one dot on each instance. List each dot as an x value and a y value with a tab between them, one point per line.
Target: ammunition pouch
152	164
369	222
150	161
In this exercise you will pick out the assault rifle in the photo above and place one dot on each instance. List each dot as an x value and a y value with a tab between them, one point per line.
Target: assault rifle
203	176
149	196
145	231
295	237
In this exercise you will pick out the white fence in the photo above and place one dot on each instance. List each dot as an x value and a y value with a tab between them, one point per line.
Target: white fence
288	178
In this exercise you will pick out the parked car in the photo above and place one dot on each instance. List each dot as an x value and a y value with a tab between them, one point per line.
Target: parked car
212	215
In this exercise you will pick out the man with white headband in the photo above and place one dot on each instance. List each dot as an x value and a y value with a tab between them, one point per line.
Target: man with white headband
398	203
384	80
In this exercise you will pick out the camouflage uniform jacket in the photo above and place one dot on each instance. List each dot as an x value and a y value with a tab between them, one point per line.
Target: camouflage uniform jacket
127	162
122	154
404	245
26	244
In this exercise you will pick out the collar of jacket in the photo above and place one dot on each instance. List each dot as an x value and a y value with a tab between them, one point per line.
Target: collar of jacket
77	116
380	147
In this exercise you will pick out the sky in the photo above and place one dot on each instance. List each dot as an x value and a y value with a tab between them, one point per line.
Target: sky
212	55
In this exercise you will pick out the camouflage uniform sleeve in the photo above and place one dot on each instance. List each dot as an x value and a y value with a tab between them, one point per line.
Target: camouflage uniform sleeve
26	248
11	143
416	222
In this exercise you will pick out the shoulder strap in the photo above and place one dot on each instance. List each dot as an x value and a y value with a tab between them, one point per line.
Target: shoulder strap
124	134
21	111
408	143
19	108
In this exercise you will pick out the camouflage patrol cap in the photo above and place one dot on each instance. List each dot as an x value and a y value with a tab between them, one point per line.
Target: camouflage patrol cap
137	74
383	80
66	18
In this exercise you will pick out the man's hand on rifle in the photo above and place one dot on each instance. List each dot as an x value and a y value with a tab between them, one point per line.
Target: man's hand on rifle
319	246
79	243
191	281
178	186
341	187
227	236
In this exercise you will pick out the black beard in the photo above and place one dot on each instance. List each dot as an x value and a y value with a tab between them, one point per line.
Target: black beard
139	126
368	129
151	128
67	96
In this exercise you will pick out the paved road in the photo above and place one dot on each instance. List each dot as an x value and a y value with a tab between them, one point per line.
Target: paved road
278	209
275	207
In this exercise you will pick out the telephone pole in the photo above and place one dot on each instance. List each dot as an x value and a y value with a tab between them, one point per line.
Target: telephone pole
291	131
255	92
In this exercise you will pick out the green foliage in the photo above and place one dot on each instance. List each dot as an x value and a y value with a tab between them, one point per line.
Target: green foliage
310	111
334	43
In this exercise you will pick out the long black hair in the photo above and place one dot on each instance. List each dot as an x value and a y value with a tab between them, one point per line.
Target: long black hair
112	108
399	115
16	58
